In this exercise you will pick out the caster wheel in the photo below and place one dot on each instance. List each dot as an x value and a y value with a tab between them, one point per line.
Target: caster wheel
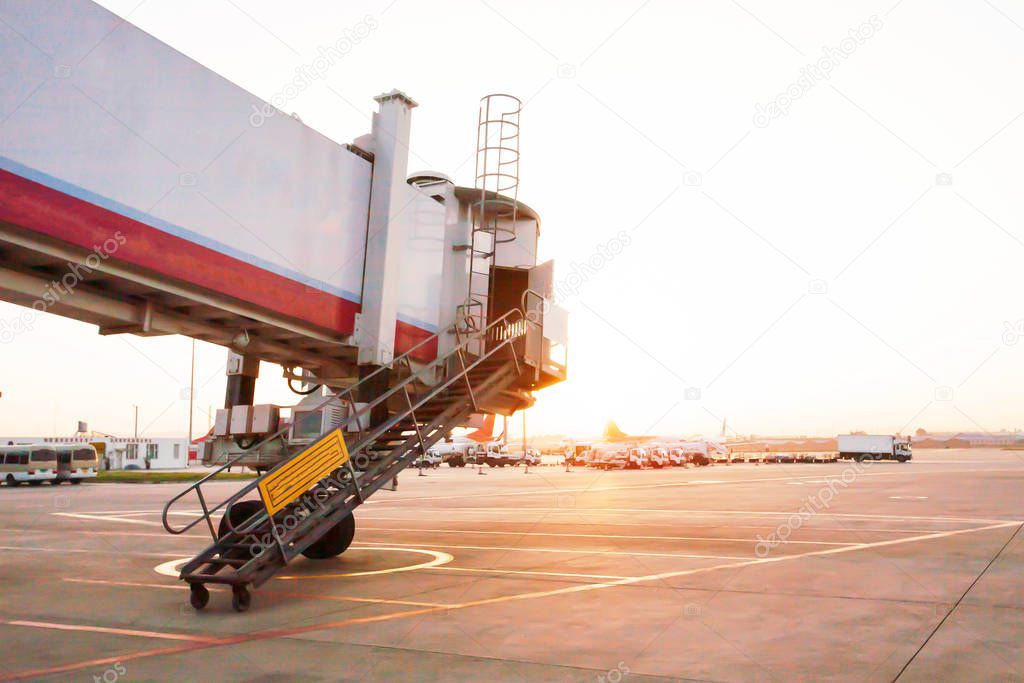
198	596
240	598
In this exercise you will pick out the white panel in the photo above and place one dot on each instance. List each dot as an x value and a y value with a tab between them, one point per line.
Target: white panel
542	278
241	419
222	423
422	258
124	121
522	251
556	324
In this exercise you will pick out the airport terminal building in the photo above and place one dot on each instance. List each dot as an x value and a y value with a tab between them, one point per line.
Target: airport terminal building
118	453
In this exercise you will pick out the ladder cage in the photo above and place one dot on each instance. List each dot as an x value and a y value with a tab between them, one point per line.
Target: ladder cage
494	212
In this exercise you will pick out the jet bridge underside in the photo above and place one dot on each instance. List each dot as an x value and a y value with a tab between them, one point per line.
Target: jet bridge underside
54	276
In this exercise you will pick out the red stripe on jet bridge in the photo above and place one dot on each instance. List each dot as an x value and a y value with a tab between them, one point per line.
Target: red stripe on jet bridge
47	211
408	336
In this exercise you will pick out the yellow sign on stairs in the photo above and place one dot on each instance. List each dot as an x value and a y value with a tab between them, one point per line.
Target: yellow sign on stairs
295	477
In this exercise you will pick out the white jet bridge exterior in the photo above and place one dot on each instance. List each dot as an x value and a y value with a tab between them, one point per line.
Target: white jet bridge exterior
310	253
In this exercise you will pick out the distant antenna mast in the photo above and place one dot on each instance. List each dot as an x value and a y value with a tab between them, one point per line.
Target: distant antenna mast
494	211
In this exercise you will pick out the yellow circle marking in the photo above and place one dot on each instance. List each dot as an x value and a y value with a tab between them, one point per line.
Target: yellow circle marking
172	568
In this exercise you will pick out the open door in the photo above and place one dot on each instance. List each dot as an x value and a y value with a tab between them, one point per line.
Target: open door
545	342
541	288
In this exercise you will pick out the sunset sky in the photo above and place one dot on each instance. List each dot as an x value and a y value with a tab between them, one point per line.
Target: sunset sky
819	208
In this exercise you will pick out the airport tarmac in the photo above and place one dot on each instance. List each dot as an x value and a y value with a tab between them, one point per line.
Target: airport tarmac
777	572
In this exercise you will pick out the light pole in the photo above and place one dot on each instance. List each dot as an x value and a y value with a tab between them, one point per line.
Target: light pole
191	390
525	456
136	421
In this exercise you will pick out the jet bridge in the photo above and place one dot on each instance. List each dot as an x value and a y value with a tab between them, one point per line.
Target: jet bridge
139	194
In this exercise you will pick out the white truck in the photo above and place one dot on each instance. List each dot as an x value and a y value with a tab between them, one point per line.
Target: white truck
874	447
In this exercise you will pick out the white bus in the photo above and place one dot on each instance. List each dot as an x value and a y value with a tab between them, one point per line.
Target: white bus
76	462
34	464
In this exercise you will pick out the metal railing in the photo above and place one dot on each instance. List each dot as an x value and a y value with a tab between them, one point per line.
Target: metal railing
498	330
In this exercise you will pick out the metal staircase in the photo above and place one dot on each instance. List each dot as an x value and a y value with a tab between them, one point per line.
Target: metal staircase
486	372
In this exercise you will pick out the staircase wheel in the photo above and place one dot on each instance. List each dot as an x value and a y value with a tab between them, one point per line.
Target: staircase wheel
240	598
334	542
238	514
199	596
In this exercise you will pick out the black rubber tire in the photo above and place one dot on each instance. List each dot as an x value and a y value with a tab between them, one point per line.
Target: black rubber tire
241	599
334	542
858	458
198	596
901	458
55	482
11	481
240	511
76	481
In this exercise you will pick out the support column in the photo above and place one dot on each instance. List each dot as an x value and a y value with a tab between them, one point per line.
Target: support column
389	194
242	373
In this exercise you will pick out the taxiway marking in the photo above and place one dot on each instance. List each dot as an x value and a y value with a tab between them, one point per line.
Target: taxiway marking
439	558
562	535
311	628
678	484
627	553
703	513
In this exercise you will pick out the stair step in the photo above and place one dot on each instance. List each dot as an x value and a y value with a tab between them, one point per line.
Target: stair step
228	561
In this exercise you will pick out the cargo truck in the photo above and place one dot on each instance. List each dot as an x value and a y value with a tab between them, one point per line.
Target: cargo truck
874	447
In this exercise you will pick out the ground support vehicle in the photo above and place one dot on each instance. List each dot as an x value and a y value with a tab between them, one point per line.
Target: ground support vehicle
874	447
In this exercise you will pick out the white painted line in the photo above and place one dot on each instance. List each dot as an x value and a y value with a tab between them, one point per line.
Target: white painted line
142	512
901	471
597	511
713	525
439	559
624	553
90	532
139	584
533	573
173	570
733	565
700	513
106	518
474	532
92	551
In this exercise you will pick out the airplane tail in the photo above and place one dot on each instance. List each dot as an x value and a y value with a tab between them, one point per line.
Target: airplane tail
485	433
612	431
